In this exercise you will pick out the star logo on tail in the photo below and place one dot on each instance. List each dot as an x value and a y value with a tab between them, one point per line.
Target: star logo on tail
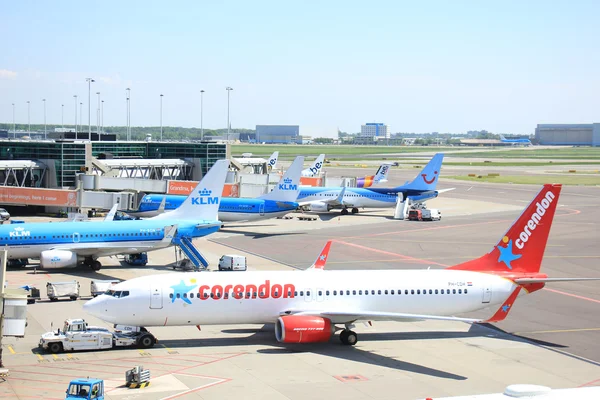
322	257
180	289
506	253
505	308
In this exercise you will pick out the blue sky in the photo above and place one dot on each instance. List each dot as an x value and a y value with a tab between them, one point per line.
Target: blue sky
446	66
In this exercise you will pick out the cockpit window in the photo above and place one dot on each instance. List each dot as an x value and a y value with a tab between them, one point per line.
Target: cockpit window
117	293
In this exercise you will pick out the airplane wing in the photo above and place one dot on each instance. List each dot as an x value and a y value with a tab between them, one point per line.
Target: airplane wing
337	201
344	317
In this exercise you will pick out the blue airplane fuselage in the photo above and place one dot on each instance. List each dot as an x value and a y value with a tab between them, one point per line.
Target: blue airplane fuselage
230	208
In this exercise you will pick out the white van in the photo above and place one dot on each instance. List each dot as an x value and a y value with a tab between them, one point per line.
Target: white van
232	263
432	214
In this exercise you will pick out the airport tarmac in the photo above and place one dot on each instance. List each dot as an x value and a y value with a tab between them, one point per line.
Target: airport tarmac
550	338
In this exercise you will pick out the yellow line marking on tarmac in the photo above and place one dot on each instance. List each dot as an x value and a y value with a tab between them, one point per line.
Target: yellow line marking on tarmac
558	331
69	356
39	356
55	356
10	348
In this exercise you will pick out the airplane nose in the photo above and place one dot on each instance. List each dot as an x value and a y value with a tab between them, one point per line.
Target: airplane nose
95	307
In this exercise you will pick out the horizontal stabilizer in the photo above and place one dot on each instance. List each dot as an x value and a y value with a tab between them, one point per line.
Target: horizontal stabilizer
506	307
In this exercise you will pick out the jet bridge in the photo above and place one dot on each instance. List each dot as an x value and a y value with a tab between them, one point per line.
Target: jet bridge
157	169
22	173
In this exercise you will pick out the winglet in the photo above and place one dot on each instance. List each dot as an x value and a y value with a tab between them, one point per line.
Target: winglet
161	207
506	307
170	232
111	214
322	259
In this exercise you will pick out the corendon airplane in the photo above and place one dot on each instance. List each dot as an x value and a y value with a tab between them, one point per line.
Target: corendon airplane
422	188
307	306
280	201
68	244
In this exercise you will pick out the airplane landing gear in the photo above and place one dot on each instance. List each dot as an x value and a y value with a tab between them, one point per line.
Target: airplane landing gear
344	211
354	210
95	265
348	337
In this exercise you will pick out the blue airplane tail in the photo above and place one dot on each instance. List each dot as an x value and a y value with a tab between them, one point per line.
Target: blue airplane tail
427	179
288	187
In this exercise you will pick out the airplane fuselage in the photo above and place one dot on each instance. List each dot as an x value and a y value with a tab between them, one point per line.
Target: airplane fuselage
261	297
362	197
28	240
230	209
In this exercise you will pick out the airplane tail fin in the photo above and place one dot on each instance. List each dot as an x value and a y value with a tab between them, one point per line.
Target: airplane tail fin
316	166
289	186
111	214
521	248
322	258
273	160
502	137
203	202
379	177
428	177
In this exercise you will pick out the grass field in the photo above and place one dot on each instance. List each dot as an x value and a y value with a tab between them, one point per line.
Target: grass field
357	153
533	179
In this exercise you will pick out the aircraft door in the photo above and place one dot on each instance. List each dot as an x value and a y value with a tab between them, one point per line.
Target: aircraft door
320	294
261	209
487	294
307	295
76	237
156	300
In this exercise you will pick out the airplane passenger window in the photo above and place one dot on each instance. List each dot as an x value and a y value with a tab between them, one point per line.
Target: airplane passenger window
412	291
459	291
178	296
453	291
418	291
379	292
335	292
436	291
392	292
276	294
354	292
372	292
366	292
307	293
385	292
465	291
302	293
442	291
320	293
430	292
327	292
360	292
185	295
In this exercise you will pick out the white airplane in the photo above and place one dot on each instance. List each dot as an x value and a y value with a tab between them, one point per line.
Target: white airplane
315	168
273	160
307	306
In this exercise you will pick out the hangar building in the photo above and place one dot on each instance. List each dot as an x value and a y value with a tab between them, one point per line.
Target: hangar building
568	134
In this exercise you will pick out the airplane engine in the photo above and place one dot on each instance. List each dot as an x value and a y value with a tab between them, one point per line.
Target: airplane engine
58	259
320	207
303	329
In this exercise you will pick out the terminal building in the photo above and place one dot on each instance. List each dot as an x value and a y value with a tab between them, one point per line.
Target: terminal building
285	134
375	131
568	134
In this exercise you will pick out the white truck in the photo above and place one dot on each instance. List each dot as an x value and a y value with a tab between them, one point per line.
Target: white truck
431	214
68	289
77	335
232	263
99	286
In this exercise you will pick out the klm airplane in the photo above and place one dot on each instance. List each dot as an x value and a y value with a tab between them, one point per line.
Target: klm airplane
68	244
279	202
524	142
422	188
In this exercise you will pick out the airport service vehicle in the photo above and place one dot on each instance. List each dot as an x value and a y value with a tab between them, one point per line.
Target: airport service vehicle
315	168
99	286
85	388
232	263
379	177
139	259
424	214
309	306
68	244
77	335
69	289
277	203
422	188
4	215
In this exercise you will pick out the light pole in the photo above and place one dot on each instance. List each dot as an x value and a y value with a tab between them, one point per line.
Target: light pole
102	116
98	116
80	115
161	96
28	120
75	96
89	81
45	134
62	115
14	126
201	121
229	89
128	90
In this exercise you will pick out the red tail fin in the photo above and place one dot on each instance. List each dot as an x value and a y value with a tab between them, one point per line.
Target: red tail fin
521	248
322	259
